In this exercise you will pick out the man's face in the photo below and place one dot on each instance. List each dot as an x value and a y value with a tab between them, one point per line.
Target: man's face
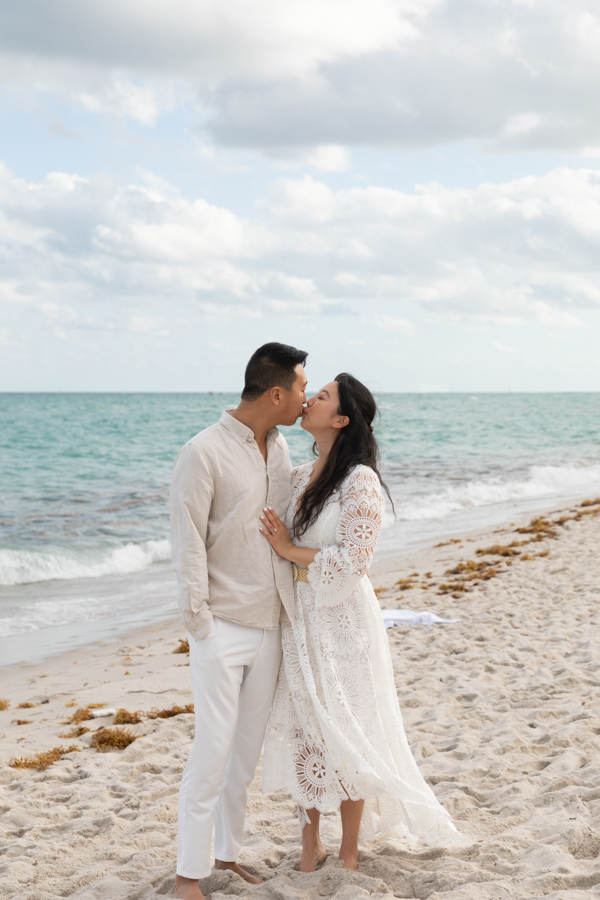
292	401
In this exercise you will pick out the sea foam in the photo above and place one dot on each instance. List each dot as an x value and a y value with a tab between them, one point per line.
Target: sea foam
29	566
543	481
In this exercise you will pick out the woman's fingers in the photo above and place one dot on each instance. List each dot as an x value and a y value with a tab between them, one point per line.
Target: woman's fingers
266	523
272	517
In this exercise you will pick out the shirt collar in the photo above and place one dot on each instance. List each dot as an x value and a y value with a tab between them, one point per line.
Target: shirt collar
240	430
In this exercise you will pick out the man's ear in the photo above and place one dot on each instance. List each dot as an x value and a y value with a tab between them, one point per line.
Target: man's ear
276	396
341	422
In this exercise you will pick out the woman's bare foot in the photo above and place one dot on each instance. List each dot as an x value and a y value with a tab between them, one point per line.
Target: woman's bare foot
233	867
311	857
350	859
187	889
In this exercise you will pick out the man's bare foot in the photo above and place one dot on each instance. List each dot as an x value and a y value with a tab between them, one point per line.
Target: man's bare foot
350	860
311	857
233	867
187	889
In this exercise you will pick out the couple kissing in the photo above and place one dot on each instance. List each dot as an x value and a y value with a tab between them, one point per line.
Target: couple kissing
287	643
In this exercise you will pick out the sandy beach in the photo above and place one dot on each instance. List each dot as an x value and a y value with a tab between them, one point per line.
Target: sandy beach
502	710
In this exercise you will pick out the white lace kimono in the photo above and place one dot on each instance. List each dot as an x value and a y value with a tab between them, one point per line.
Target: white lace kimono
336	729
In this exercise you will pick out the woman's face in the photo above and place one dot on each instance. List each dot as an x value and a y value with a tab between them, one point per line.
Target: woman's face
321	412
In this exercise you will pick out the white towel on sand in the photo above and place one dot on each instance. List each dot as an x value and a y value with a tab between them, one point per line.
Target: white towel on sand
393	617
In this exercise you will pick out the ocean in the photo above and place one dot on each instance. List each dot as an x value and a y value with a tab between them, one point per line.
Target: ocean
84	485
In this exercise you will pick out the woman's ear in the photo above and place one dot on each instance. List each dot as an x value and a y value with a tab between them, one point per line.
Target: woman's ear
341	422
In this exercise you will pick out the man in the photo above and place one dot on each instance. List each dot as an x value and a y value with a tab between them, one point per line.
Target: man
233	589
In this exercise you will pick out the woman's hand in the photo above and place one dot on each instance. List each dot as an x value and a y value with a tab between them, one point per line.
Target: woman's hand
276	533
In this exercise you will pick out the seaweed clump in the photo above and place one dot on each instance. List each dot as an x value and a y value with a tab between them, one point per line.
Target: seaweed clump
466	572
106	739
184	647
169	713
44	759
500	549
27	705
4	704
75	732
80	715
540	528
406	584
83	714
124	717
21	722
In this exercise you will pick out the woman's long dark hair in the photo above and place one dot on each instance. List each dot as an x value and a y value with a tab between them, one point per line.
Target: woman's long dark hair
355	445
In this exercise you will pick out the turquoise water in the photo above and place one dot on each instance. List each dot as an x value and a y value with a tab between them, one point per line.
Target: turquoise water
85	479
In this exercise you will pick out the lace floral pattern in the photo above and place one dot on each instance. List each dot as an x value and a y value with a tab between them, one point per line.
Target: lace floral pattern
336	728
338	567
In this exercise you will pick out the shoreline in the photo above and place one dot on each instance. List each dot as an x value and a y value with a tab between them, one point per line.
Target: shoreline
159	638
501	712
79	636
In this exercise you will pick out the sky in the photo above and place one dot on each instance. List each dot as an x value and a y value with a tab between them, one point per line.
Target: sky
407	189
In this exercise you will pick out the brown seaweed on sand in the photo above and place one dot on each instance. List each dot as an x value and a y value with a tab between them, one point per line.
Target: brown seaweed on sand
405	584
467	574
500	549
540	527
75	732
106	739
124	717
44	759
184	647
83	714
169	713
4	704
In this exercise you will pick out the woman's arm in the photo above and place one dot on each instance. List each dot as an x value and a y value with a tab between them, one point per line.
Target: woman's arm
337	569
280	540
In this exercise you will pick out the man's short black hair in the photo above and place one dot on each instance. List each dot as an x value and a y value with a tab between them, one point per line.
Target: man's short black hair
272	365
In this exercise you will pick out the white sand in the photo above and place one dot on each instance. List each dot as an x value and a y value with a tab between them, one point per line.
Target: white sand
502	711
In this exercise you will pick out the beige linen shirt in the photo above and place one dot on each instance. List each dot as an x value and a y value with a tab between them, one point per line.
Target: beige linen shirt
225	567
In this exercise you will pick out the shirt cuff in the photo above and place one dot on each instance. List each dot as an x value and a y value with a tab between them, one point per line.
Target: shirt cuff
200	624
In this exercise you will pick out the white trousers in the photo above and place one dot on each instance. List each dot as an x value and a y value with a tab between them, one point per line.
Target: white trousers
234	673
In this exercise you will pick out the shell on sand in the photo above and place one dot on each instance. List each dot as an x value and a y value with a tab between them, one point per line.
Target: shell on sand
502	711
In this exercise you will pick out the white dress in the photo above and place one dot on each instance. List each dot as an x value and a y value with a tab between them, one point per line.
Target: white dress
336	728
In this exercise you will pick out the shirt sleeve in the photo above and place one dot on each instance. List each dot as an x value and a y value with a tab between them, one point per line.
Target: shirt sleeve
192	493
336	570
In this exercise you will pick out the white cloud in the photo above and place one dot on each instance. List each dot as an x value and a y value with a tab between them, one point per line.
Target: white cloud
329	158
392	323
321	75
208	41
141	102
525	250
325	158
509	76
520	124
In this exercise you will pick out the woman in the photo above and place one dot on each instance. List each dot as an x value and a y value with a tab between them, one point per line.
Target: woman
336	738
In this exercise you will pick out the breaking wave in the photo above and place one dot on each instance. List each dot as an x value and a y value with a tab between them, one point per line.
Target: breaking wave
543	481
29	566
